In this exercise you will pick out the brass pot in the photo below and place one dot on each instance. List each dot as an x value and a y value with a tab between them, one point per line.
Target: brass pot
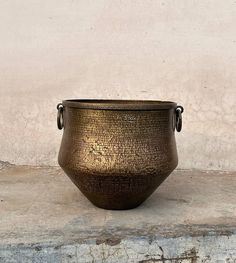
117	152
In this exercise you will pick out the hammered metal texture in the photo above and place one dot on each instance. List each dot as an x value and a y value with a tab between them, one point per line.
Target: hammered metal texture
118	158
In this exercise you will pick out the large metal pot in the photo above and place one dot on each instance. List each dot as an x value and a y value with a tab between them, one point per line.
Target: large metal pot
117	152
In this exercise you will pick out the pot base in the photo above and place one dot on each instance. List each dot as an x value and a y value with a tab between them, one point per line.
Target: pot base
117	192
120	203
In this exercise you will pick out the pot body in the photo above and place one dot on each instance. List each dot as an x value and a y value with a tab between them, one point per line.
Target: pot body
118	157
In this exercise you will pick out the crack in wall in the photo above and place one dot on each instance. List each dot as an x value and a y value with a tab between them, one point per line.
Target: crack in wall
5	164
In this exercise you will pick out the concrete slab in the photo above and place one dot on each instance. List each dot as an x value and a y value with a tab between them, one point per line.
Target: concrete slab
45	218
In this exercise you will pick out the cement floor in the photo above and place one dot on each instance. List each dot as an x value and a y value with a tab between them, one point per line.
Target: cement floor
45	218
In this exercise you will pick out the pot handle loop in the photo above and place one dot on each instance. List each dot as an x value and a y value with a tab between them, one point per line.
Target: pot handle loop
178	113
60	122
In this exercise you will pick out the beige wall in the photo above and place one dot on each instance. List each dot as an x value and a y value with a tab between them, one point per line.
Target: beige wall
183	51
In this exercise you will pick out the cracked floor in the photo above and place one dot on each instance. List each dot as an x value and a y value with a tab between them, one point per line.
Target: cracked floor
190	218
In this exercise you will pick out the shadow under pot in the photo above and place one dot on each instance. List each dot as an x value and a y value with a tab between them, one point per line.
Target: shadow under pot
117	152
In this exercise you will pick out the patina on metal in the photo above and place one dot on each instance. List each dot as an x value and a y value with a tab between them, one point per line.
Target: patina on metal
117	152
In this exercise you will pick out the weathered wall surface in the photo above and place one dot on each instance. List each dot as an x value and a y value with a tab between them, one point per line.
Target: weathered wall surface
177	50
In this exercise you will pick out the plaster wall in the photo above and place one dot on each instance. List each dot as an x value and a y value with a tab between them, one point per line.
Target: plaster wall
183	51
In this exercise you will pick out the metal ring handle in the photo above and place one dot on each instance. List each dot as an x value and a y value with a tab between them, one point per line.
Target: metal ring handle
178	112
60	122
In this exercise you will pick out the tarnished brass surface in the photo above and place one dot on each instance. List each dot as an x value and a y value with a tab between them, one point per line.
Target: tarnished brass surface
118	152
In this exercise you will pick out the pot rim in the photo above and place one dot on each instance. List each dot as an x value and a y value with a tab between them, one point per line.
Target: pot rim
114	104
